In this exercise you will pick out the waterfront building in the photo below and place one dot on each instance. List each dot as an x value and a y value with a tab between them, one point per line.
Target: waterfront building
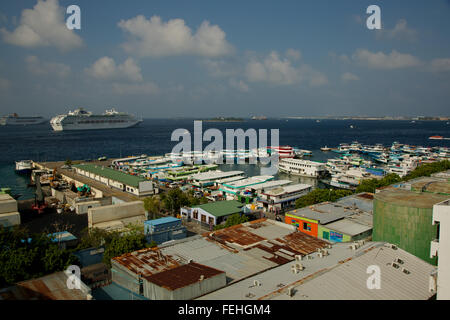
282	198
133	184
207	179
301	167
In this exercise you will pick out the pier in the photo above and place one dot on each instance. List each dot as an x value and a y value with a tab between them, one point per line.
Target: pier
100	189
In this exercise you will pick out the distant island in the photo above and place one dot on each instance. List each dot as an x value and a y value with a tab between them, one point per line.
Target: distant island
420	118
224	119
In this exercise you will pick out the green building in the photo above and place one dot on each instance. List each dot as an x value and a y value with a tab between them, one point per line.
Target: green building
402	215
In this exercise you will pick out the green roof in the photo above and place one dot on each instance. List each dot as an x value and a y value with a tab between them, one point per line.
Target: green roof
112	174
222	208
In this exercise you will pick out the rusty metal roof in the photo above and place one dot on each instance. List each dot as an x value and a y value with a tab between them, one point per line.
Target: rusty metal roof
183	276
51	287
244	236
147	262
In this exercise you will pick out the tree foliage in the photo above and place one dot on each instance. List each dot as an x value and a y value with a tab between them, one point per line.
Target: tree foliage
153	206
428	169
370	185
174	199
25	256
233	220
321	195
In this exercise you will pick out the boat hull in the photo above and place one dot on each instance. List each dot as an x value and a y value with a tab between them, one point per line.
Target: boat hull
100	126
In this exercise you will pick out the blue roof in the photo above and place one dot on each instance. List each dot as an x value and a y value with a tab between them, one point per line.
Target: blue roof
62	236
161	221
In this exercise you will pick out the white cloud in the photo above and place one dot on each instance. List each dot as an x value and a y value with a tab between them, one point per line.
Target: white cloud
221	68
348	76
155	38
272	69
37	67
440	65
43	25
239	85
105	68
281	71
293	54
400	31
380	60
148	88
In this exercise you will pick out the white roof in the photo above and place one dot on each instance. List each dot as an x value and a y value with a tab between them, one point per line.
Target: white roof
328	278
348	227
249	181
348	281
287	189
301	161
270	184
212	175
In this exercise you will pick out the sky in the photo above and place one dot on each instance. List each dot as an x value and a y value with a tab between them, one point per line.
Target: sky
164	59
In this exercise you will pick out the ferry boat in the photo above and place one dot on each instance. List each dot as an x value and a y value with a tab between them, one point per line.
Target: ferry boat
282	151
24	166
15	120
301	167
302	153
436	138
81	119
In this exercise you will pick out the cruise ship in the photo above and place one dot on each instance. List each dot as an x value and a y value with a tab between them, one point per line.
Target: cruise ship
81	119
15	120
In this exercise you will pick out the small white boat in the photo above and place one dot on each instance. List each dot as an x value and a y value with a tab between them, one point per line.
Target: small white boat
24	166
325	149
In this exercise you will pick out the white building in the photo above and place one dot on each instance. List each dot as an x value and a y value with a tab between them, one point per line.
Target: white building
279	199
205	179
212	213
232	189
136	185
300	167
441	248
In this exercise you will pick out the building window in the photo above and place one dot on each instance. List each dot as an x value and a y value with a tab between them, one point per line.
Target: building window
196	214
306	226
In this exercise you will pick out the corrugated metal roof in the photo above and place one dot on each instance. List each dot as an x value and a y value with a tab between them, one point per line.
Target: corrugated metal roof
183	276
160	221
248	182
348	280
50	287
348	227
214	175
323	213
221	208
340	275
146	262
287	189
112	174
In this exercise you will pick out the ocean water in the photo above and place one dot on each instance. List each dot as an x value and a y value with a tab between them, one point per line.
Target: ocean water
153	137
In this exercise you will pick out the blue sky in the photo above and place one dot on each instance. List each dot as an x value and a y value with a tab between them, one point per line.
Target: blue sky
228	58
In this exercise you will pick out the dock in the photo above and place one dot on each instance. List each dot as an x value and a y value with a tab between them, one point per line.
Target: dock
100	189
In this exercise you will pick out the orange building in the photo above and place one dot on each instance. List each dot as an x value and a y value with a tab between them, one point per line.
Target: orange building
308	226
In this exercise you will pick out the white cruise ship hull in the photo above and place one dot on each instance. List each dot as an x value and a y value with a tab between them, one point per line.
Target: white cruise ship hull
93	126
21	121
